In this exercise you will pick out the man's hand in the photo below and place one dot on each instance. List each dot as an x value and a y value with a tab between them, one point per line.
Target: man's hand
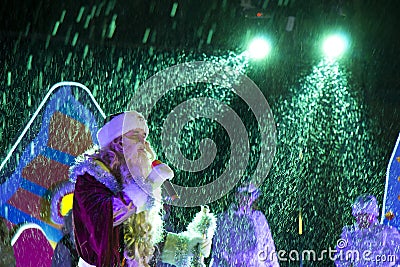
122	212
159	174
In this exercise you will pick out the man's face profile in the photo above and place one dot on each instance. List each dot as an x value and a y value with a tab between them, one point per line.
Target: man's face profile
134	143
137	152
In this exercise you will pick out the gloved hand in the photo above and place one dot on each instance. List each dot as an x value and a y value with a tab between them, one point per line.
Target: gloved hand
203	243
140	197
159	173
178	248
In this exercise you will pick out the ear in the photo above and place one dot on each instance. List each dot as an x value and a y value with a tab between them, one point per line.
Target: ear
116	144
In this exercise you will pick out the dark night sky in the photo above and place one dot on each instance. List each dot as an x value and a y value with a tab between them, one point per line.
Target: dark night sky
373	26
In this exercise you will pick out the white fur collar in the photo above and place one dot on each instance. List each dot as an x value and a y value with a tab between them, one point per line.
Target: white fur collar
90	166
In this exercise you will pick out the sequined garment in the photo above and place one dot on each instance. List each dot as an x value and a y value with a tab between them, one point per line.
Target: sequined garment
378	245
243	239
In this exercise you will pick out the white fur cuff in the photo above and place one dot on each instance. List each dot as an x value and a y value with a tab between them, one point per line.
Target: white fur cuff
141	199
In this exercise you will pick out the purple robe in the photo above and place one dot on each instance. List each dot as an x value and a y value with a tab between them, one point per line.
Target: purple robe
96	239
97	197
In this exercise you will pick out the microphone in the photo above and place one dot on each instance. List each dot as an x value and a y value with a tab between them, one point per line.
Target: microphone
170	190
167	184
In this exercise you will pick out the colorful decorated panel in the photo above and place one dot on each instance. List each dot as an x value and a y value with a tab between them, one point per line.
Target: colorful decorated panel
391	206
32	247
34	182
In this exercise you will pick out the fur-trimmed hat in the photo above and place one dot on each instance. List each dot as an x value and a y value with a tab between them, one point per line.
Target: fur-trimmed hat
120	124
249	189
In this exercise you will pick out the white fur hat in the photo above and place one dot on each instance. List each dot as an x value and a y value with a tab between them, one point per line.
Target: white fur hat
121	124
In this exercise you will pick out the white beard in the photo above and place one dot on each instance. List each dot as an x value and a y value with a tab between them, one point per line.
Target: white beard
139	166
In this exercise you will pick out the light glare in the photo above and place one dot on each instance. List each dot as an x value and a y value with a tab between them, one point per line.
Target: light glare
259	48
334	46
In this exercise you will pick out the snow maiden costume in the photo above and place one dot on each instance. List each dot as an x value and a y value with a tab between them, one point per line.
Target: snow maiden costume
243	236
368	243
117	223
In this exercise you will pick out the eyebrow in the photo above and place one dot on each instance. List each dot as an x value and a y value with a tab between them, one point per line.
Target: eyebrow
135	132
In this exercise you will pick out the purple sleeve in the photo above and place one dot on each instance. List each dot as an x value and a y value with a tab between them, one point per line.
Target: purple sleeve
120	209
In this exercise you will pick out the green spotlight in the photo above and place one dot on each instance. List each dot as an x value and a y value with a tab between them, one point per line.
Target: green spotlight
259	48
334	46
